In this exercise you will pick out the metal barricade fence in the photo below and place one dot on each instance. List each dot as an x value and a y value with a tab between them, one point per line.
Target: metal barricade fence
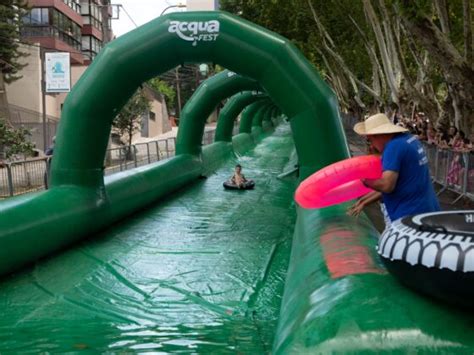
454	171
31	175
348	121
235	130
431	152
442	162
5	181
20	177
470	175
125	158
208	137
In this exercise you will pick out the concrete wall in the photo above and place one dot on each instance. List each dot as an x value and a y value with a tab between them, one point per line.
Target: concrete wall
161	124
152	128
26	92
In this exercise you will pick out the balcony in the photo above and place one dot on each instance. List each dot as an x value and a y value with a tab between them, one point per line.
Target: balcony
62	6
50	37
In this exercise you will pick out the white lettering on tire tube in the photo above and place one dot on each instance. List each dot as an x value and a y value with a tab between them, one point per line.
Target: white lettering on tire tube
438	248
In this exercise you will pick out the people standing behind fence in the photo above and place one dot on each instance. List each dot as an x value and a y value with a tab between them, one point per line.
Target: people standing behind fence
456	150
459	160
452	152
450	138
50	150
49	153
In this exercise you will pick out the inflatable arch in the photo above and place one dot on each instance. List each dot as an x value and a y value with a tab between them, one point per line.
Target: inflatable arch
337	298
81	202
282	71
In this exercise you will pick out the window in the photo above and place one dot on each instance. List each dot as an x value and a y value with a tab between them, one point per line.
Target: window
37	16
91	14
90	46
48	22
85	8
73	4
152	116
86	43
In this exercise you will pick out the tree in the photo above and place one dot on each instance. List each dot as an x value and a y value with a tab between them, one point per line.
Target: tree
167	90
444	49
382	54
11	15
13	141
128	121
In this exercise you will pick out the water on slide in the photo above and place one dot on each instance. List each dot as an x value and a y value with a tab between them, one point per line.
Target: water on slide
199	272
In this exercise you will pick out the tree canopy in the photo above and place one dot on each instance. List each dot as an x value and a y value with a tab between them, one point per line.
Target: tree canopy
382	54
128	121
164	88
11	14
13	141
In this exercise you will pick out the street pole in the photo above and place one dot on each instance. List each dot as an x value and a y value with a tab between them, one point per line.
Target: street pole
178	91
43	98
171	7
176	73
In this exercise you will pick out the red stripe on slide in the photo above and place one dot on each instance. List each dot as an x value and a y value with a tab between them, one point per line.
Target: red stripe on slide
345	254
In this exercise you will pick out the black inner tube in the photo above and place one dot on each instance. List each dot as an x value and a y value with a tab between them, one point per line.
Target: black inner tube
248	185
450	222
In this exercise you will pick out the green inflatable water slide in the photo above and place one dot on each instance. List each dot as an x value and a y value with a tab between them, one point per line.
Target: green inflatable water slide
162	259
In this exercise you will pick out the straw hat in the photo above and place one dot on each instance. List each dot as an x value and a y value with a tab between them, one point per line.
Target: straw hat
377	124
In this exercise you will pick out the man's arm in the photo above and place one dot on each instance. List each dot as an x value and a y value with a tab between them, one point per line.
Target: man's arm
385	184
356	209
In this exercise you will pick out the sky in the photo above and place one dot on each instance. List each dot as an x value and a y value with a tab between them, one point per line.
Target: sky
141	11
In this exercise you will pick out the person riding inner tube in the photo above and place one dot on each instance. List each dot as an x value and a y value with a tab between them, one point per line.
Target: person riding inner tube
238	180
433	253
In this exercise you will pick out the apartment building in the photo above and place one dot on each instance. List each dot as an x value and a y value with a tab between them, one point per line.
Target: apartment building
80	27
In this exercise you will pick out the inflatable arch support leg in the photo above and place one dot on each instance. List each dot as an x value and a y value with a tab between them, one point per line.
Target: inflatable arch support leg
201	105
257	121
248	115
261	114
267	121
231	110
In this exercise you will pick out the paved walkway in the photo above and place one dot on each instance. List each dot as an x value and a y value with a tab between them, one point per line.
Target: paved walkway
170	134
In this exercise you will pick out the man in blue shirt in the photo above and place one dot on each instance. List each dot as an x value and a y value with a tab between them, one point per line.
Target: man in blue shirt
405	184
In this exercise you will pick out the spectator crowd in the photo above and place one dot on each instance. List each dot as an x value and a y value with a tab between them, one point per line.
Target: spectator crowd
449	139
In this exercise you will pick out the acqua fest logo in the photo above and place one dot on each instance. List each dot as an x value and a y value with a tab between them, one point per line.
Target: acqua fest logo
195	31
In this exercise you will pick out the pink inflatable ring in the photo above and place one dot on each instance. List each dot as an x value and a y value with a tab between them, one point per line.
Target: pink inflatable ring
338	182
